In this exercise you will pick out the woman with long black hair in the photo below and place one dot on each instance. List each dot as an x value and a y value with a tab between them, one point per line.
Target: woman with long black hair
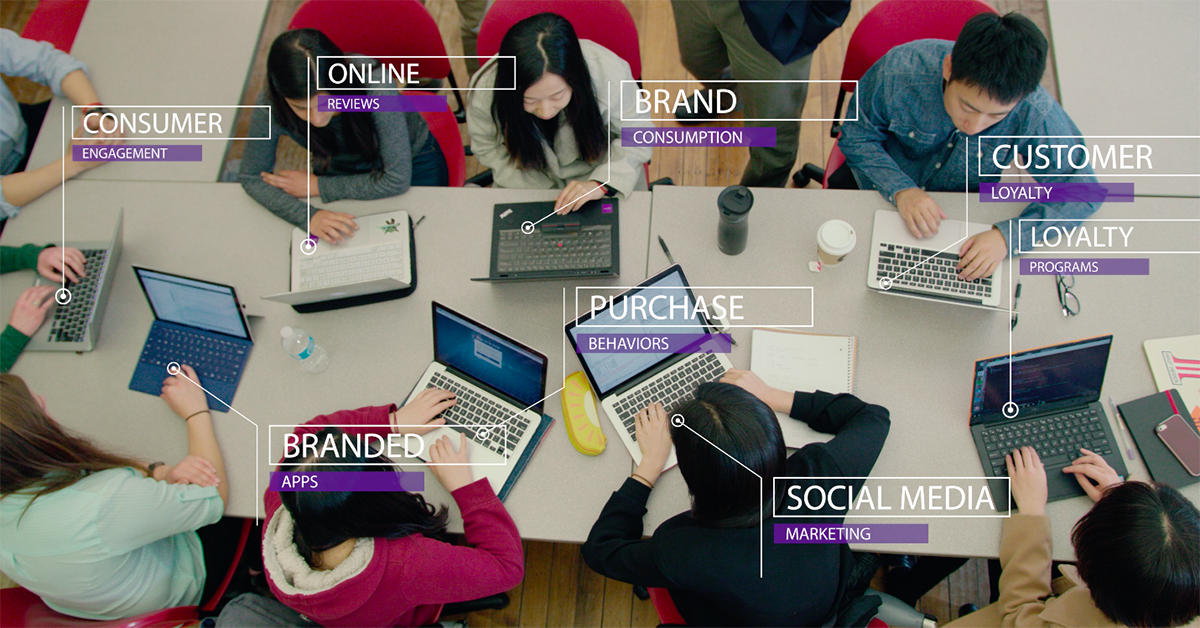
355	155
561	127
358	558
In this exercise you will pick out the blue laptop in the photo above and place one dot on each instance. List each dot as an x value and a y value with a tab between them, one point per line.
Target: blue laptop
196	323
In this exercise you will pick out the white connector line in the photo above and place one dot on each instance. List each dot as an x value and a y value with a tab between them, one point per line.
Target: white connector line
1010	313
679	422
64	198
966	218
179	372
308	144
609	133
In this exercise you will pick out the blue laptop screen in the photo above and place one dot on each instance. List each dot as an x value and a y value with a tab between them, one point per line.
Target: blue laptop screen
1050	378
488	357
610	370
199	304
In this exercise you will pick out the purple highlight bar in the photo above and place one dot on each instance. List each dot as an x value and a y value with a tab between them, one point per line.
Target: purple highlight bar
698	136
653	343
175	152
1086	266
367	481
1056	192
852	533
390	102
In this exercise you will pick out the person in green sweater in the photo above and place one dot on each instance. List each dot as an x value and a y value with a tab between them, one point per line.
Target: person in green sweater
51	262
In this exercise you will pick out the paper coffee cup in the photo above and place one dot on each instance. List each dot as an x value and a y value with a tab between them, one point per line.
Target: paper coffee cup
835	240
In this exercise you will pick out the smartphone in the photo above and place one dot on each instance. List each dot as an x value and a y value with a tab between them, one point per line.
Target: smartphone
1179	437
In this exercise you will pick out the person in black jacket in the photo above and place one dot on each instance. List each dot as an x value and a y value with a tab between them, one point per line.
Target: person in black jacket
707	558
766	41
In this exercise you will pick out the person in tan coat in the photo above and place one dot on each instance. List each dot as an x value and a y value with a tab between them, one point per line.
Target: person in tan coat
1137	551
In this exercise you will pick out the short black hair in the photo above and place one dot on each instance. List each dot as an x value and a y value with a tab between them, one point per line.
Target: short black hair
1005	56
1139	553
724	493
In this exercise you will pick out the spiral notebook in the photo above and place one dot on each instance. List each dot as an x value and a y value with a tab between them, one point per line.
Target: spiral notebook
791	360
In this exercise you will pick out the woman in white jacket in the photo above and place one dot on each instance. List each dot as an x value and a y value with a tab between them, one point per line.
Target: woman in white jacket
561	126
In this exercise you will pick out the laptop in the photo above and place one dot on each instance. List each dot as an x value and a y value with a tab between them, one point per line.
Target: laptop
628	382
197	323
500	385
377	259
76	325
1056	392
583	243
925	268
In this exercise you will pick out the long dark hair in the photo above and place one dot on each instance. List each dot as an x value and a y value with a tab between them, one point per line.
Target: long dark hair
724	494
546	44
36	453
325	519
1138	550
288	76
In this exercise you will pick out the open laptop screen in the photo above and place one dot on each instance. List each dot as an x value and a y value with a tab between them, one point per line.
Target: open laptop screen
611	370
1043	380
200	304
496	360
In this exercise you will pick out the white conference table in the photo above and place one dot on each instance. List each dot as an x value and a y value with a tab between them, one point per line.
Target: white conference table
915	357
1133	69
146	52
216	232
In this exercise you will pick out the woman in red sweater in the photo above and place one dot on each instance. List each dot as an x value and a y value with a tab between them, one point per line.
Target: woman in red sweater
380	558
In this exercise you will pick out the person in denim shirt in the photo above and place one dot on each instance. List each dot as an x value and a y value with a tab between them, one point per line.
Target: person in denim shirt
931	114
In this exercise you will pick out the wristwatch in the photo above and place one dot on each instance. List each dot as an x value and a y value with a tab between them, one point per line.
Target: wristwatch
153	465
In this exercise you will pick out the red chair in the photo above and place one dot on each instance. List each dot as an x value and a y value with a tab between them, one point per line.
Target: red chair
606	22
383	28
889	24
55	21
21	608
444	127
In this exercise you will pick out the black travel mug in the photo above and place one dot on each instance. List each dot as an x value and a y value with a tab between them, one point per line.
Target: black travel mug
734	206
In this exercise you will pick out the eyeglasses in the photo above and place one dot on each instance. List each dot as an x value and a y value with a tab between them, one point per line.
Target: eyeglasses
1068	300
1016	297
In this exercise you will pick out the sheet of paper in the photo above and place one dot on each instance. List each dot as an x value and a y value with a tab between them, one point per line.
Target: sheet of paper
804	362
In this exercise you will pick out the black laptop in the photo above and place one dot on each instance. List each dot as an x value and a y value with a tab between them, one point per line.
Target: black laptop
1055	392
530	241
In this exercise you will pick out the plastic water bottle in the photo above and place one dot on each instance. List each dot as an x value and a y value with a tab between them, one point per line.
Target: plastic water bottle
300	345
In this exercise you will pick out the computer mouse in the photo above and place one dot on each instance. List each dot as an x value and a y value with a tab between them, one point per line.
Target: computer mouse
582	419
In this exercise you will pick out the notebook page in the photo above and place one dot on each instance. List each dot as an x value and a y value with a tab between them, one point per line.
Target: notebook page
805	362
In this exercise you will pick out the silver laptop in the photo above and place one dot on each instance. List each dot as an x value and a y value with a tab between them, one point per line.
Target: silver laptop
76	325
925	268
628	382
376	259
500	385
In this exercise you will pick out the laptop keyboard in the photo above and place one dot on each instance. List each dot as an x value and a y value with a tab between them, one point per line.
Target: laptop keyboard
588	248
938	274
1057	439
213	358
344	267
71	321
671	388
474	410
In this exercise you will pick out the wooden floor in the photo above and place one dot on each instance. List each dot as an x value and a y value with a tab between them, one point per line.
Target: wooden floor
559	589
